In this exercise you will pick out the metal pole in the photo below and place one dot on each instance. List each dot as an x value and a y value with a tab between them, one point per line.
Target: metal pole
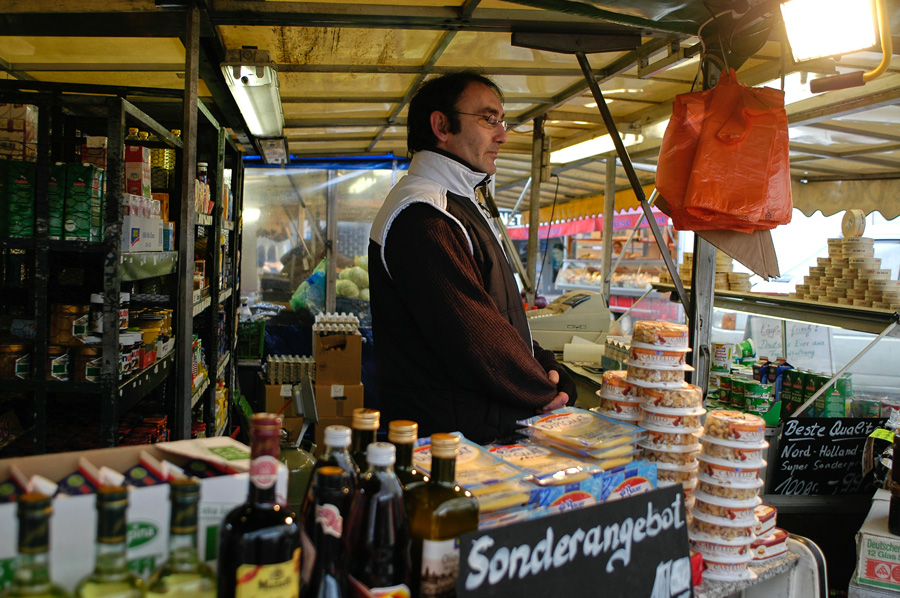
632	176
634	229
331	222
534	213
525	189
609	207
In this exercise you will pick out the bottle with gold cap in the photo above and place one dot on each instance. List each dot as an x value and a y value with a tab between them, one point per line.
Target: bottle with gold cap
183	575
31	577
259	541
403	433
111	576
439	512
365	426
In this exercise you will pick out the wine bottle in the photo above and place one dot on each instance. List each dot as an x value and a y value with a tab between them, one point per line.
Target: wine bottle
259	541
300	464
377	531
31	577
111	576
365	425
324	570
439	512
402	433
183	575
337	454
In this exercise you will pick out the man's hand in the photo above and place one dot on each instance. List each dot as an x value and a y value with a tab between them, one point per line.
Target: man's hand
560	400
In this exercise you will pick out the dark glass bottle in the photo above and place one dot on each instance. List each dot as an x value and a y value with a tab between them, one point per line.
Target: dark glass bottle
337	454
31	578
377	531
365	425
324	568
402	433
439	512
259	541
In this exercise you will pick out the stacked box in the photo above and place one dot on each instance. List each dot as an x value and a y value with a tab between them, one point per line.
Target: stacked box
4	198
20	193
56	199
137	170
83	203
93	151
18	132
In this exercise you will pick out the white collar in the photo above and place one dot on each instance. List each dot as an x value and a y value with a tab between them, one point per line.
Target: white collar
447	172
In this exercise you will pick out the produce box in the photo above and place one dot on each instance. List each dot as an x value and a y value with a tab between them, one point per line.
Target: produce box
73	525
338	358
338	400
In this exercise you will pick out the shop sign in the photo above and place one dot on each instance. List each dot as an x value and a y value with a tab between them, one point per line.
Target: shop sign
808	346
635	547
821	455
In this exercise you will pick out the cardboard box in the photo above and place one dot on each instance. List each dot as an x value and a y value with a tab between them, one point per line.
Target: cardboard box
338	400
276	395
142	234
137	170
338	358
878	550
84	202
73	525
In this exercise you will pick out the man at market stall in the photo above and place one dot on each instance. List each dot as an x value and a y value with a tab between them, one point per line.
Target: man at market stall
452	346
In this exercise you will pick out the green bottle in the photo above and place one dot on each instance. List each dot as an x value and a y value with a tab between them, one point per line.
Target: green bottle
183	575
31	577
300	464
111	577
402	433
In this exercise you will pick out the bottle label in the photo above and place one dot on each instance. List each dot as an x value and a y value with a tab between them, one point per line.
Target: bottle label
398	591
440	566
278	580
329	518
264	471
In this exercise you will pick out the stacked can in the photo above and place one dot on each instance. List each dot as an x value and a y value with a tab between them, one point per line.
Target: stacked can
723	518
670	409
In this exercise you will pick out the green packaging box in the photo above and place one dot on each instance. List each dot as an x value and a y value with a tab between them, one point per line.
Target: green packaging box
20	192
83	204
56	199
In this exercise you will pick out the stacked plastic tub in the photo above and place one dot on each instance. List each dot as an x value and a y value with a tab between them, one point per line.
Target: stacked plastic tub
723	518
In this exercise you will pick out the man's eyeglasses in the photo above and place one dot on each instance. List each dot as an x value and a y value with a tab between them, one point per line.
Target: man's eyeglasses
491	119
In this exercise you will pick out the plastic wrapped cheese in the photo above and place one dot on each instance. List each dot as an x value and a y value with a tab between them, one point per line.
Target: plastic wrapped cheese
582	429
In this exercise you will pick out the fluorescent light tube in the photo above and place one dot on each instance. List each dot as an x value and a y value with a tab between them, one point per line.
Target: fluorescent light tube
591	147
818	28
255	89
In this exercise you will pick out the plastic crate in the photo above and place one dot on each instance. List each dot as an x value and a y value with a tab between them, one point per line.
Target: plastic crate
251	339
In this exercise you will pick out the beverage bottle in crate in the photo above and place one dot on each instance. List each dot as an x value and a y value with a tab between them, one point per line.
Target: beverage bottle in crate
183	575
259	541
31	577
377	531
111	575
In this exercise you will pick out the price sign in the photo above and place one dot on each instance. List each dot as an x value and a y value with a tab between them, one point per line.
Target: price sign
821	455
635	546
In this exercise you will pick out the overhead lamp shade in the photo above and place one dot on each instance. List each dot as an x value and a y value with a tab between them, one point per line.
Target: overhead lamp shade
592	147
274	150
819	28
255	89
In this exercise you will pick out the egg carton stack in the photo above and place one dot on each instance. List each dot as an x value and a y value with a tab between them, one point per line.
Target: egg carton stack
670	409
850	275
723	519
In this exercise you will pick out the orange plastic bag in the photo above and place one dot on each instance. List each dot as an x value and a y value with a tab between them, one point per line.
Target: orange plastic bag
724	159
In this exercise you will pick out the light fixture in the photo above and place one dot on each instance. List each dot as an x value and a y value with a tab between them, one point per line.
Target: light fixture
592	147
250	215
818	28
274	150
253	81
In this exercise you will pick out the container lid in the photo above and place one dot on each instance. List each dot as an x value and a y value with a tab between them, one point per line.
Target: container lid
729	503
337	436
403	431
381	454
366	419
750	484
736	444
444	446
737	466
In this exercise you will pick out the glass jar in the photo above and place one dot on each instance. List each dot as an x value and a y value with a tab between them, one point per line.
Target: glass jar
97	313
57	363
124	306
87	361
69	324
15	361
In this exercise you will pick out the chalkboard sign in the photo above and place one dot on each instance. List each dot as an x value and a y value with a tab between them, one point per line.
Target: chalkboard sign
821	455
635	546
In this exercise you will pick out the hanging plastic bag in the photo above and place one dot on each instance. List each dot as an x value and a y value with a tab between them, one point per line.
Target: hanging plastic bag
727	166
311	292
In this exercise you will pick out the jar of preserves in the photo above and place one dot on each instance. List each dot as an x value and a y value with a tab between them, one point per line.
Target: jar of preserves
124	305
57	363
96	313
15	361
69	324
87	361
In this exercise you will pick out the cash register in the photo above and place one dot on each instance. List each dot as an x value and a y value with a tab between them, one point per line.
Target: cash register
576	313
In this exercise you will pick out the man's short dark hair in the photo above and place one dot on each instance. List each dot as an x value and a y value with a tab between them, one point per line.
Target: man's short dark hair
441	94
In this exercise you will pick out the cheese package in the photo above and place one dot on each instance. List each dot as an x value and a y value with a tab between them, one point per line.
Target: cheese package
633	478
604	458
475	466
545	465
581	429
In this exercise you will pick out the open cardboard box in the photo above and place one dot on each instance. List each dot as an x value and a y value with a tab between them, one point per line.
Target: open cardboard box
73	525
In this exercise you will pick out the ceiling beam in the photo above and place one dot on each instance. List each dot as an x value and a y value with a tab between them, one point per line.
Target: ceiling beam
92	67
837	128
849	156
